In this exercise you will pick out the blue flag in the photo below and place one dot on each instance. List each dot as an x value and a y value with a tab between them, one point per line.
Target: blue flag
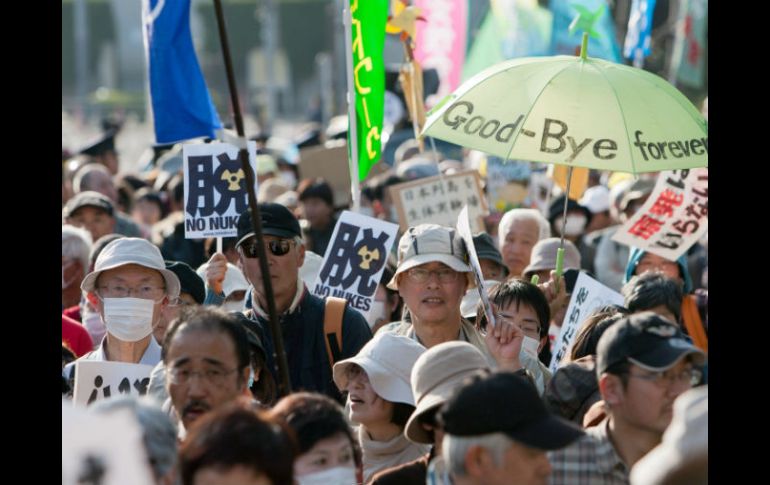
181	105
637	44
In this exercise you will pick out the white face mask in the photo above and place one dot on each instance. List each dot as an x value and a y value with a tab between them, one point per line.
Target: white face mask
129	319
377	312
233	306
337	475
575	224
529	347
288	178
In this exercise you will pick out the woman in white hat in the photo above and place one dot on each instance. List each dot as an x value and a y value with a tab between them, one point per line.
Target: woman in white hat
380	399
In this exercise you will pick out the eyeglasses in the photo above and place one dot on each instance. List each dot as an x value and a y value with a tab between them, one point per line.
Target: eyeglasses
145	292
665	379
214	377
421	275
643	266
529	329
277	248
179	302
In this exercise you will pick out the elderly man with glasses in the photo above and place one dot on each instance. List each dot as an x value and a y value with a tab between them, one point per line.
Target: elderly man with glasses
300	313
129	287
643	364
432	277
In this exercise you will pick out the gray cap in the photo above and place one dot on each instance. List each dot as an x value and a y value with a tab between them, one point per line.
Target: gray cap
88	198
544	256
426	243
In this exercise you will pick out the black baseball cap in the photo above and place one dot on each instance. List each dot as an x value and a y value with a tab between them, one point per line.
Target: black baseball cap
485	249
647	340
88	198
504	402
277	220
189	280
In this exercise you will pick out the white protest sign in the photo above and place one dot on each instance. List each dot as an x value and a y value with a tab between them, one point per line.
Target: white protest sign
464	230
96	380
102	448
215	189
673	218
587	296
439	200
355	259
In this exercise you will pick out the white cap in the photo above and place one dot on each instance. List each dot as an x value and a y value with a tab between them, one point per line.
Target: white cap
596	198
388	360
234	279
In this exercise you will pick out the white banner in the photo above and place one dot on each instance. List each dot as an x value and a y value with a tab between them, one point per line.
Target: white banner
464	230
96	380
215	192
106	449
673	218
587	296
355	259
439	200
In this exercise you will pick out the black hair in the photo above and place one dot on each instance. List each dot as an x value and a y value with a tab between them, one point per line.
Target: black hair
237	436
318	188
211	320
652	289
401	414
592	328
313	418
518	291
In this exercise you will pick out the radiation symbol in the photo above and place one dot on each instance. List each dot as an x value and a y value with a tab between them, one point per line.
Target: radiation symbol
233	178
367	256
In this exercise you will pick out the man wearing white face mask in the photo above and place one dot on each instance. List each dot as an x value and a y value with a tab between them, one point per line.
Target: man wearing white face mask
578	218
129	287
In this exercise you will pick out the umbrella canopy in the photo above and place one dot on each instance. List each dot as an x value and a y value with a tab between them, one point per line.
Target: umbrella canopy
575	111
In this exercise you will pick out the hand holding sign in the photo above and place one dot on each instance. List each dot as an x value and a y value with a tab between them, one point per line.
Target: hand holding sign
464	230
504	341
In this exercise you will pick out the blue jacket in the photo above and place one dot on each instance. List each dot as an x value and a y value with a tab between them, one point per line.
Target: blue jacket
305	345
636	255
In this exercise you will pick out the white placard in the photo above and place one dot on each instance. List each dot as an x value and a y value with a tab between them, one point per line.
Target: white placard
464	230
106	449
587	296
215	189
439	200
96	380
355	259
673	218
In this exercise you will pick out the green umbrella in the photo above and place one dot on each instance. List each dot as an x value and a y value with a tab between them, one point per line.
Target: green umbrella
574	111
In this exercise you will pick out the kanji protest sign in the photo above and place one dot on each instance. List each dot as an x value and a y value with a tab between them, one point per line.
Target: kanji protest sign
355	259
587	296
215	192
464	230
439	200
96	380
673	218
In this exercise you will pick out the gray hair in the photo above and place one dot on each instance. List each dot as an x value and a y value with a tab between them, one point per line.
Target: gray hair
158	431
652	289
455	449
76	244
522	214
82	180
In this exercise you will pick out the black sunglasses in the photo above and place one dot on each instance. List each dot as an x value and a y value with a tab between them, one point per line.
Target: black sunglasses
276	247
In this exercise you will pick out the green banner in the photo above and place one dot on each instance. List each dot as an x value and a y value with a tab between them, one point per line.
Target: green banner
368	31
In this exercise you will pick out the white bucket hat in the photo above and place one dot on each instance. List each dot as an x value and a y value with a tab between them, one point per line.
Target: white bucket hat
388	360
131	250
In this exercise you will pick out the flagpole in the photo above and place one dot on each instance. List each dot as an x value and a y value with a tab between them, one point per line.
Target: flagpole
284	386
355	190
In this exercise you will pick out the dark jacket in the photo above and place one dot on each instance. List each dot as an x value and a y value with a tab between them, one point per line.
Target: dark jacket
414	472
305	345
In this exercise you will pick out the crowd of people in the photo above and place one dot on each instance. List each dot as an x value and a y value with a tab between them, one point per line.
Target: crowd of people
424	389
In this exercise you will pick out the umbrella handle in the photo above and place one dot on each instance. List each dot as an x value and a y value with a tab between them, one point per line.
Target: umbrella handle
535	279
559	267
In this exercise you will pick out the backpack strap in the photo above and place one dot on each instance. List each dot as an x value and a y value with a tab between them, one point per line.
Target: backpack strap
333	311
693	323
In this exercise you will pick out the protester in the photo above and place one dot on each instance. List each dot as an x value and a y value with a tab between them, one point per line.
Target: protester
518	232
